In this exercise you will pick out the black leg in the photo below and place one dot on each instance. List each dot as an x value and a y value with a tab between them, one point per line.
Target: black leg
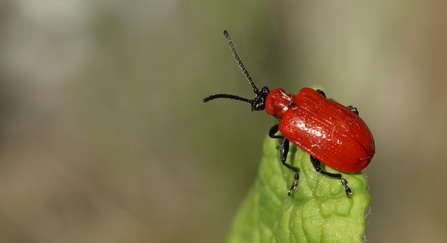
321	92
317	165
294	185
353	109
283	151
273	130
284	147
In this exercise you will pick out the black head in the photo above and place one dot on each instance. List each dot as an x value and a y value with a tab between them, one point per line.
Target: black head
258	102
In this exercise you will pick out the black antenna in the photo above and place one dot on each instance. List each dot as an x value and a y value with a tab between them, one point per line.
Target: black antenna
257	103
239	62
227	96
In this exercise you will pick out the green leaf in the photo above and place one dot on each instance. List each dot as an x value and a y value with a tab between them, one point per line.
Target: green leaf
318	211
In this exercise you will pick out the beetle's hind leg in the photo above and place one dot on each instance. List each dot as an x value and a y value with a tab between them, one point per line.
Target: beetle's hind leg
317	165
283	151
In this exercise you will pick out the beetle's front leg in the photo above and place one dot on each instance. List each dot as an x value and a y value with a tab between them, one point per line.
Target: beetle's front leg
283	151
273	130
284	147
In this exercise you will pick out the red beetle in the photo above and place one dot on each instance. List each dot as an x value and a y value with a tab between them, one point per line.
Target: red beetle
328	131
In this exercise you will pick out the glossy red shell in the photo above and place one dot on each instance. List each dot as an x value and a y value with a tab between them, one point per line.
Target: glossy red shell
324	128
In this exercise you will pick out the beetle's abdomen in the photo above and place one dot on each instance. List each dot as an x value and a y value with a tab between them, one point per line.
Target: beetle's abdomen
329	131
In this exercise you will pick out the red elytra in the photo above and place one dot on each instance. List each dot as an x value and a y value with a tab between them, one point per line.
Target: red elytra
330	132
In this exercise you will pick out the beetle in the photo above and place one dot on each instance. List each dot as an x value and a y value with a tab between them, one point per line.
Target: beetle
331	133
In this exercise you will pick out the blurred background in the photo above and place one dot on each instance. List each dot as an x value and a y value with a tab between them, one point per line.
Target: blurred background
103	137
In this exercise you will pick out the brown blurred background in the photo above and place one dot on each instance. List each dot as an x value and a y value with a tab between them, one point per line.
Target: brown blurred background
103	137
